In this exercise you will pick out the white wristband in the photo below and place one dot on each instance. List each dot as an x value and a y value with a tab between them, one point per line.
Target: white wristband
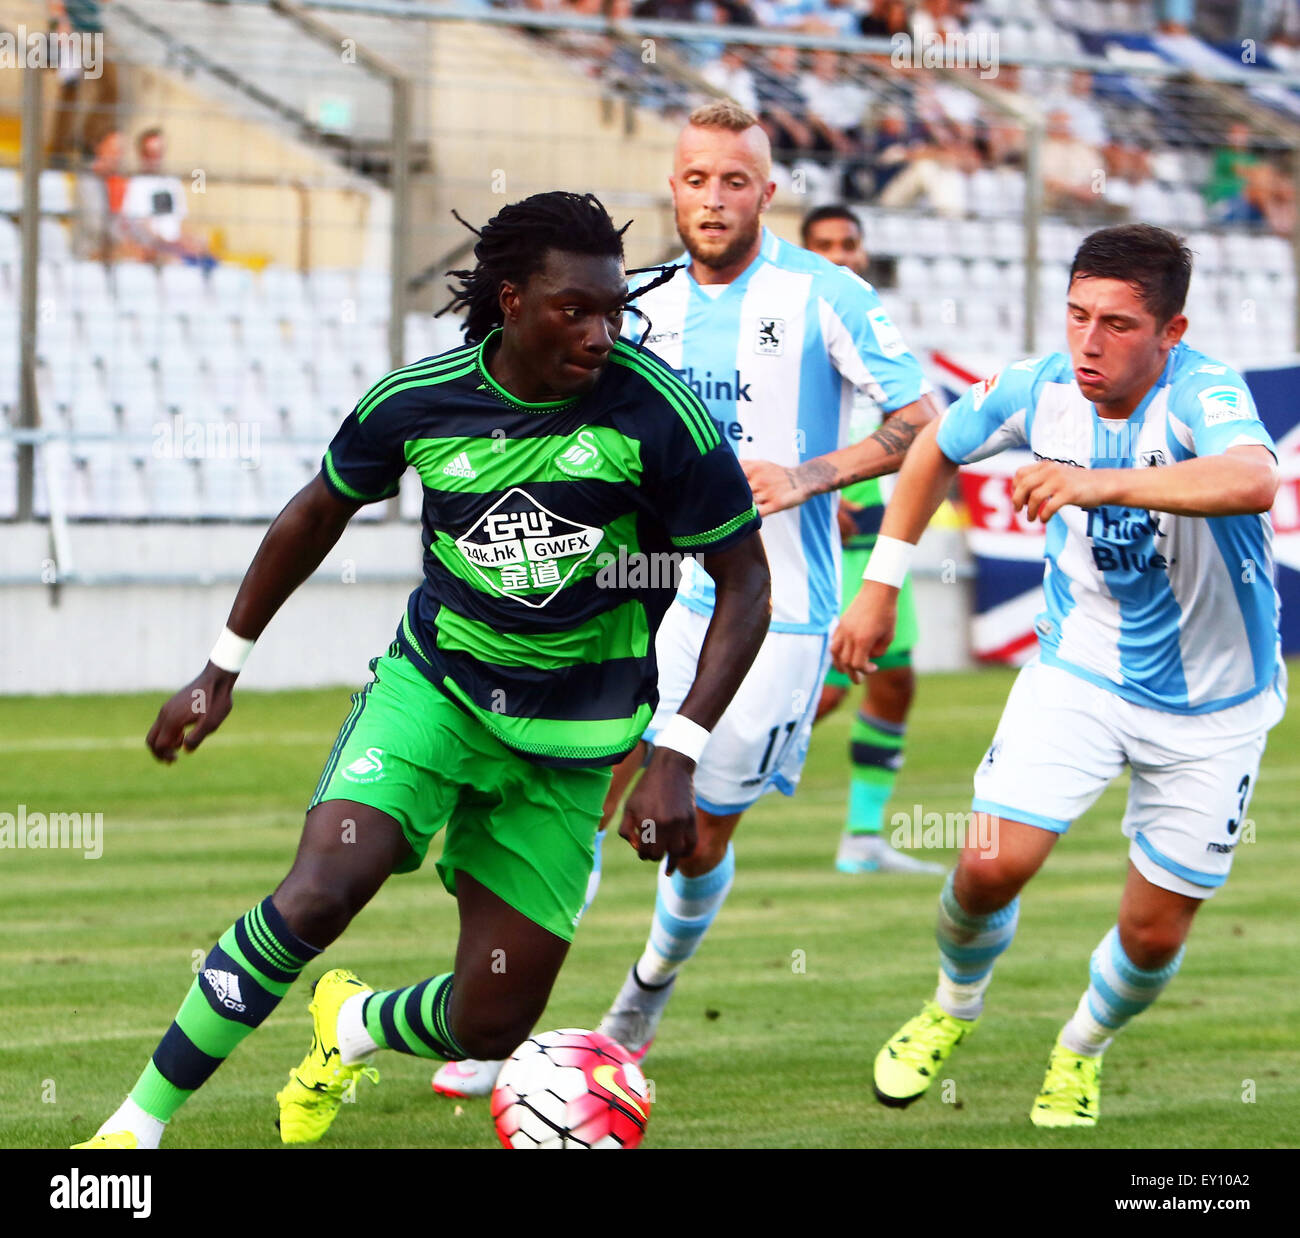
890	561
684	736
231	651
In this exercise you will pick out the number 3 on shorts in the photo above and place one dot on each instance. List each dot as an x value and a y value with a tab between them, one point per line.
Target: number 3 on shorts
1244	788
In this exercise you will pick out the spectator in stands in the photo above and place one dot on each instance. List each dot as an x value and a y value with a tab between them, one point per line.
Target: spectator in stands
782	108
731	75
884	19
1131	186
949	113
86	105
936	18
153	208
97	234
1073	171
670	10
913	169
839	17
734	13
1087	121
1244	188
837	104
1176	16
891	147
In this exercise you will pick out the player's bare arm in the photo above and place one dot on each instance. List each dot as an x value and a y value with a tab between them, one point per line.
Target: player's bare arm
743	607
777	487
298	540
1241	481
867	627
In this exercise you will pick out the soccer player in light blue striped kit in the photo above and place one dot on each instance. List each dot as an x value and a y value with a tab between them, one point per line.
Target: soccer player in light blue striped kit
1159	646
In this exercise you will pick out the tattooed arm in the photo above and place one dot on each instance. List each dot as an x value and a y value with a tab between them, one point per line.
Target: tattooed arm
778	486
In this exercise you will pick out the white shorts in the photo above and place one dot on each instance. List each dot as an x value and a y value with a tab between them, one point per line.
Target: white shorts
760	743
1062	740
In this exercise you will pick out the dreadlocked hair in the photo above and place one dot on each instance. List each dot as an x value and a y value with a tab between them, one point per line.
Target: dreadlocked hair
512	247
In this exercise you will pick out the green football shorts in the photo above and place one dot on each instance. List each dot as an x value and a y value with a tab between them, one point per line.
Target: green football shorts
524	831
906	632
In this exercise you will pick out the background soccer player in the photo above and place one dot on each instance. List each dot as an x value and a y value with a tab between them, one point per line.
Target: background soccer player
880	725
775	340
1159	645
514	682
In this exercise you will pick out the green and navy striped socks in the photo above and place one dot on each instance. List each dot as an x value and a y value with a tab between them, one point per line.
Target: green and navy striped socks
414	1020
876	753
242	980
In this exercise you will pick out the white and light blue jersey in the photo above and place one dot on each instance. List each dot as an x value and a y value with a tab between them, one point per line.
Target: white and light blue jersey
776	356
1178	613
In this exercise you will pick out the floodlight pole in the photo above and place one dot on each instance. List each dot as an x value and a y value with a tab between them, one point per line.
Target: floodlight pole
28	414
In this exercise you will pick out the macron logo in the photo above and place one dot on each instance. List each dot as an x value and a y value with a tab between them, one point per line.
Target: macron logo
460	467
226	986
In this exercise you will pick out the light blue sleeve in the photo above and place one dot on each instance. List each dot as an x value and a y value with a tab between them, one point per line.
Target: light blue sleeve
1219	411
993	415
865	345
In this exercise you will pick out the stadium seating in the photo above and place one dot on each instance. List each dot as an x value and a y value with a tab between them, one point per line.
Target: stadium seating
129	353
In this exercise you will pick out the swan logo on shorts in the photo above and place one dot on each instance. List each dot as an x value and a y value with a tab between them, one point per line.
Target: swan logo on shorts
369	768
522	550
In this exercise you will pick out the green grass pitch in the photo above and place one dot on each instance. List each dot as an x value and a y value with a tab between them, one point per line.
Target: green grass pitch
770	1038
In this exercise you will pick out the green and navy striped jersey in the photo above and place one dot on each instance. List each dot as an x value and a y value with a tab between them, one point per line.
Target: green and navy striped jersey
533	615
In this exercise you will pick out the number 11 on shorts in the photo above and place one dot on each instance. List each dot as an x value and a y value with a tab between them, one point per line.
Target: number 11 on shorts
771	743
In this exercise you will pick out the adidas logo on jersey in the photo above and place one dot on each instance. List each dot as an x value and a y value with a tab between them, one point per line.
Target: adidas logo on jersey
226	986
460	467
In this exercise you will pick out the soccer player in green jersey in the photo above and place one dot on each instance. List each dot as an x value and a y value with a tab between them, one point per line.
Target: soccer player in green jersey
880	726
521	672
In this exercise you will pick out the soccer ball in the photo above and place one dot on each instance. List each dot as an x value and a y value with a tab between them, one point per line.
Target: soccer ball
570	1089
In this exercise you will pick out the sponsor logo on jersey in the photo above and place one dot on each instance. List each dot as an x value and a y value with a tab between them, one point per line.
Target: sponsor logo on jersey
710	388
1074	464
771	337
524	551
888	339
369	768
1223	404
225	985
1123	540
1154	459
460	466
979	392
580	457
